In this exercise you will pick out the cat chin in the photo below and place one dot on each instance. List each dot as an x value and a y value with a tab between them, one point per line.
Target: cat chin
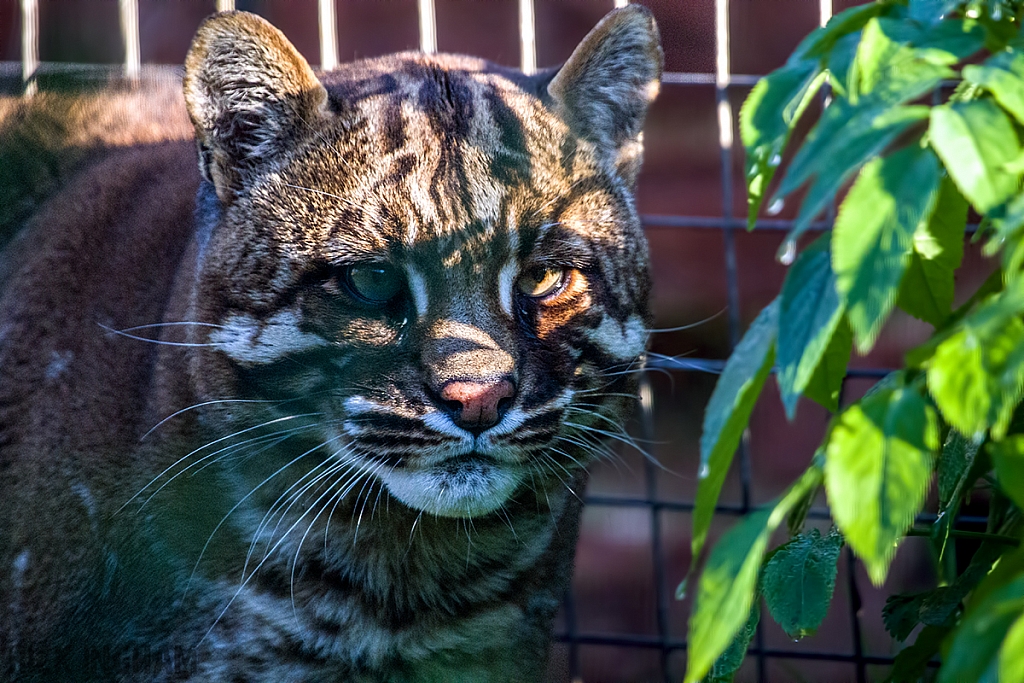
459	488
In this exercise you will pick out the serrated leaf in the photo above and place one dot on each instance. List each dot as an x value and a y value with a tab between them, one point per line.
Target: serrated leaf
729	411
725	592
878	462
1003	76
827	381
901	614
976	645
937	607
874	234
975	140
926	291
1011	654
1008	458
845	138
767	118
729	662
912	662
976	374
809	312
798	581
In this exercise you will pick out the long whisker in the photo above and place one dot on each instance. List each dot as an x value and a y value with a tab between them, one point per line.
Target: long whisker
152	341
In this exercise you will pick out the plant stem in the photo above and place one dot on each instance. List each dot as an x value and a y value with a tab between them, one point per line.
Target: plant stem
975	535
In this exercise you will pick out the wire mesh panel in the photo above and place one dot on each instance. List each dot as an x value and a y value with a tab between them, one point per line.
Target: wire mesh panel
621	620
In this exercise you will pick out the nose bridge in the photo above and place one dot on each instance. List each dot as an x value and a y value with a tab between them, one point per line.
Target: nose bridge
474	348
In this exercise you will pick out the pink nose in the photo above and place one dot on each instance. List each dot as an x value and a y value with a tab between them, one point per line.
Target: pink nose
479	403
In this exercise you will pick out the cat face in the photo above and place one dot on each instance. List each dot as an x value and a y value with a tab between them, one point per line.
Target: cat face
428	266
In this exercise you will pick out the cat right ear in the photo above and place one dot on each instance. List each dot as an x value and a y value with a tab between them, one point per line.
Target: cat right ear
250	94
605	87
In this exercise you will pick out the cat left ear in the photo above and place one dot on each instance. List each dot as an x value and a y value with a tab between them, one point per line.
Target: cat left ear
605	87
250	94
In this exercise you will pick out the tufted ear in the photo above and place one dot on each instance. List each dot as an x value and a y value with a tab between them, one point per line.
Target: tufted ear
249	93
604	89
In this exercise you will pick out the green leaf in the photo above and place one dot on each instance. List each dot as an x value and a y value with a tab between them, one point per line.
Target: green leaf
799	579
974	652
728	412
725	592
938	606
827	381
729	662
821	40
888	67
975	140
1011	654
956	37
912	662
1008	458
955	475
878	461
844	139
901	614
874	235
929	11
976	374
1003	76
927	288
767	118
809	312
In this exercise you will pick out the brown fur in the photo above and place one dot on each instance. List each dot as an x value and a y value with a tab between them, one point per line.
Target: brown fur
275	489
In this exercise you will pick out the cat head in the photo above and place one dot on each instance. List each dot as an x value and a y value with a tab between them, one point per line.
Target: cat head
429	264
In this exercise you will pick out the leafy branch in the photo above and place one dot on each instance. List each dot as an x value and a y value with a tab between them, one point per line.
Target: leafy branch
924	121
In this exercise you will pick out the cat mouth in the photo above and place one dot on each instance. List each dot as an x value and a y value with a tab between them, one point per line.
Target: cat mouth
470	485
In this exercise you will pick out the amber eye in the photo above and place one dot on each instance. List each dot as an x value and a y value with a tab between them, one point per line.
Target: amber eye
374	283
540	281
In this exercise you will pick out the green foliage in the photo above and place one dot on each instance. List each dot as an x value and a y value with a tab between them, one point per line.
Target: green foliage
878	463
728	582
810	311
915	155
729	411
799	579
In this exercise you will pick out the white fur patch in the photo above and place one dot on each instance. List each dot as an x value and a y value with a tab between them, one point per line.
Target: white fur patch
623	341
418	288
251	342
462	489
506	279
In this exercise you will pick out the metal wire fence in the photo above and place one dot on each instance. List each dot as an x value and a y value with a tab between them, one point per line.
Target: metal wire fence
572	635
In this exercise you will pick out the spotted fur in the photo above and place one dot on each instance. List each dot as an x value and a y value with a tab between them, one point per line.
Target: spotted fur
276	489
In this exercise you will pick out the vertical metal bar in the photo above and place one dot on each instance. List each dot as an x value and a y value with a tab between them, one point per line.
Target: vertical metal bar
621	3
225	5
658	556
428	27
328	35
129	11
29	45
824	11
527	38
855	608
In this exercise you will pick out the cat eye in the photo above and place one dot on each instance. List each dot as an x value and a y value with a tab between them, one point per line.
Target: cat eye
541	281
374	283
